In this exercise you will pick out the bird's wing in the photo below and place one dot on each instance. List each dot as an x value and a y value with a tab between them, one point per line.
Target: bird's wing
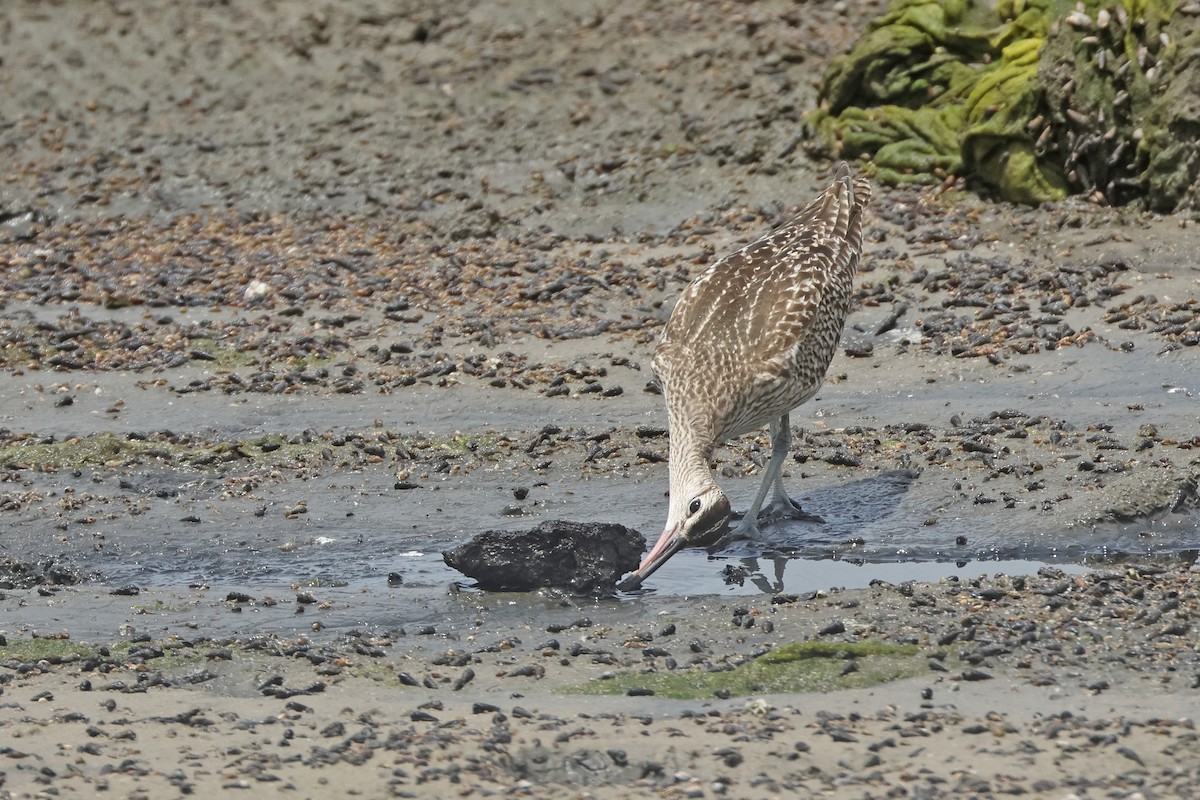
759	302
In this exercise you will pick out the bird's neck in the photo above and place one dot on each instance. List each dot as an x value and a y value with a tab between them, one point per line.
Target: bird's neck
688	464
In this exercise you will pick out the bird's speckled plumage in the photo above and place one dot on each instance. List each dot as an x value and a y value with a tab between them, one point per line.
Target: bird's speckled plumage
749	340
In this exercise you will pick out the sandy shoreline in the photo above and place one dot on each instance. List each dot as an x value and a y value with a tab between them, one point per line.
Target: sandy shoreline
1065	685
292	291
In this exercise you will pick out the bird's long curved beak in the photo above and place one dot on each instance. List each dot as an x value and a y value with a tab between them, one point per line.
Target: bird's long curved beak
670	543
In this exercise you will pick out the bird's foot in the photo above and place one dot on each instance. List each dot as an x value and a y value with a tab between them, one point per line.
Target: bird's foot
746	529
784	507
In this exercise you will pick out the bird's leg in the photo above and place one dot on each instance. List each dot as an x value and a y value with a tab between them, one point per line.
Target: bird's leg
747	528
781	506
759	579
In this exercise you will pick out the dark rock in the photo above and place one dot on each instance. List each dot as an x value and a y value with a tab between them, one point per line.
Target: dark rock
583	767
16	573
467	676
583	557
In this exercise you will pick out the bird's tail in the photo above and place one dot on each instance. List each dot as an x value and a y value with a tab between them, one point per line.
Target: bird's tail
858	189
837	212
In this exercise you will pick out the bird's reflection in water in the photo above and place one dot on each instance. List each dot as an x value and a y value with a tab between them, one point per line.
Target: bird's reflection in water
749	569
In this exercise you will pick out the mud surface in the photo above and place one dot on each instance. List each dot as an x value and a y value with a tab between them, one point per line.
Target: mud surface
296	296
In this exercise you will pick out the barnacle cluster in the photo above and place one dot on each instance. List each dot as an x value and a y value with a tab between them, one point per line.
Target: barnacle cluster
1033	99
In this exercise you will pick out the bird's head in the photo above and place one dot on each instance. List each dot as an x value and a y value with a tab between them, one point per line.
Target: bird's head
695	518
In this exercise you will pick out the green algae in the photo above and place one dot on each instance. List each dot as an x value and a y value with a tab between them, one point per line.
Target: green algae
51	649
107	449
1032	99
229	357
57	651
932	89
95	450
322	582
271	451
799	651
799	667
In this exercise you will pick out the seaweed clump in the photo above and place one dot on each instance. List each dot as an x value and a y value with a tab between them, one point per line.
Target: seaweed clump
1032	99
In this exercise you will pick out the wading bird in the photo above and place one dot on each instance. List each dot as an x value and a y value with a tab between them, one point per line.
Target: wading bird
750	340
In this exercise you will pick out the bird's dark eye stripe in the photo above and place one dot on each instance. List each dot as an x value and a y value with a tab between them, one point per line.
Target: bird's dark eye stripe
694	506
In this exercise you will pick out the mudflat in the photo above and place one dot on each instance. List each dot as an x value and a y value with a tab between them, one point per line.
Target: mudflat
297	295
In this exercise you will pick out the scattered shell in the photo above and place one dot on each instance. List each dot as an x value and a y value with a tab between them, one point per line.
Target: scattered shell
1115	156
1080	21
257	289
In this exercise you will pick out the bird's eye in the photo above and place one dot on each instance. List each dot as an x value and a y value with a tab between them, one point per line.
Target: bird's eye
694	506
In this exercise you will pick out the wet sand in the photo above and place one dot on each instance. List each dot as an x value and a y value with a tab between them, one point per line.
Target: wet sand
1045	686
294	297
